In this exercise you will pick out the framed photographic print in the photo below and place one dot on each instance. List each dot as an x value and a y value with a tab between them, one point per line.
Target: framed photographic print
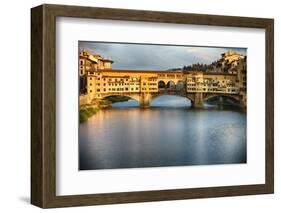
136	106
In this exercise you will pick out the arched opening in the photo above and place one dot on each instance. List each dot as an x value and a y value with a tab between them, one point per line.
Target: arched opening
118	101
180	85
221	100
171	85
161	85
170	101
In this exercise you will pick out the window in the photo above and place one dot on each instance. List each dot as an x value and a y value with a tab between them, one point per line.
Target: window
91	91
98	90
103	84
98	84
98	78
104	90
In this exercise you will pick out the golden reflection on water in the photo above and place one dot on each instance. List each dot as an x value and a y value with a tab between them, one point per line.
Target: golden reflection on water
134	137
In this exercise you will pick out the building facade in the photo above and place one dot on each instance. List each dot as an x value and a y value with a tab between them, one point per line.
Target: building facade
98	80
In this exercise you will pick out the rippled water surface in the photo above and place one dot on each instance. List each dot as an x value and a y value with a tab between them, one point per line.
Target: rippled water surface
169	133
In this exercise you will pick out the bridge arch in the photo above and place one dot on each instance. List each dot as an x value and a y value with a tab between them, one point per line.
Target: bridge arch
189	97
180	85
131	96
235	98
171	85
161	85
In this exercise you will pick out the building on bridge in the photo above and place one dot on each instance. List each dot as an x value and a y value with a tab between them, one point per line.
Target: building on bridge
98	80
89	64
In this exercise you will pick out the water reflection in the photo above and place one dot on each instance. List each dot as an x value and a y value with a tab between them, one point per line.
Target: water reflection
126	136
170	101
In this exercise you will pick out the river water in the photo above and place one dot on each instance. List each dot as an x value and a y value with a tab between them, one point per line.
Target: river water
169	133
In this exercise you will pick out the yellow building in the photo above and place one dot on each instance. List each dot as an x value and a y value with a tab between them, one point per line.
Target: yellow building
90	65
99	80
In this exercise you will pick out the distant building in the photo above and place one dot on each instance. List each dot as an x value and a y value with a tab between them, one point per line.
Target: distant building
231	56
229	62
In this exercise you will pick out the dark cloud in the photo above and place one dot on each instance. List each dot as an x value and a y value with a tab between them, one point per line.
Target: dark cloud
155	57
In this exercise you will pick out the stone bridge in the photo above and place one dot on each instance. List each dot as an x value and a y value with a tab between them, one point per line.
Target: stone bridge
197	98
144	86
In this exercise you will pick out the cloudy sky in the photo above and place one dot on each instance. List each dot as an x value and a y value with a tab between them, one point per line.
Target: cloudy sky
155	57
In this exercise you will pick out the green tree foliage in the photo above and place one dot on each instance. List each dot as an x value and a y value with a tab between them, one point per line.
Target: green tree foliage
198	67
